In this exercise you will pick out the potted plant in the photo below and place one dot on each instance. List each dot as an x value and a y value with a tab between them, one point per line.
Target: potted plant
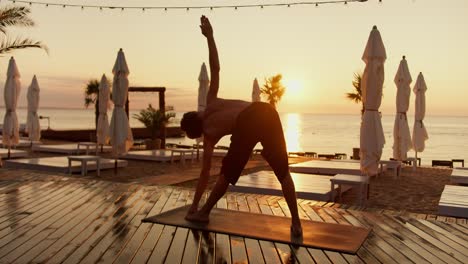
154	120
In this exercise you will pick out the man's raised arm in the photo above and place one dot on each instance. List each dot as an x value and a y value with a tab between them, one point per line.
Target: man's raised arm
207	31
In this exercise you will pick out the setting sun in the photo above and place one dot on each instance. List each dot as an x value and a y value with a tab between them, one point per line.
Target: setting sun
294	89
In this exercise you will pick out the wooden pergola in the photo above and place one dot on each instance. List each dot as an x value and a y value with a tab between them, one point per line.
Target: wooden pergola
162	105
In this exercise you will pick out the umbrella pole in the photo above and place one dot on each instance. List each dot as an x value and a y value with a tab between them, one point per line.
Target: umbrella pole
102	148
9	147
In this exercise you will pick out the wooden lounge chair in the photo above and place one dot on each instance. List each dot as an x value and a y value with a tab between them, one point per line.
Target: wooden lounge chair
442	163
454	201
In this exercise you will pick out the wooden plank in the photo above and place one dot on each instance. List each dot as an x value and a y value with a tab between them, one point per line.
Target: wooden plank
407	247
392	247
21	191
157	201
223	244
176	250
363	253
328	219
110	245
85	227
34	222
444	238
400	224
448	231
101	239
162	247
80	221
254	252
151	239
270	207
369	244
59	227
19	210
269	252
93	232
238	251
291	253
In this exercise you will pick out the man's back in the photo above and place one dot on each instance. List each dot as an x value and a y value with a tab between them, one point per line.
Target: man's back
220	117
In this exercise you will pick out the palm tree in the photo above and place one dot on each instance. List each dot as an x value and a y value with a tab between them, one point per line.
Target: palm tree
92	97
273	89
356	96
16	16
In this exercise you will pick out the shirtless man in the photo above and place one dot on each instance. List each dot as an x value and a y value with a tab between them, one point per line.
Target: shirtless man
249	123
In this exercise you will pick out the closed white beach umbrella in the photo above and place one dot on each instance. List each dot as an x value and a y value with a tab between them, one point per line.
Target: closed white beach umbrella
401	132
33	126
102	131
12	90
121	137
419	130
372	137
256	91
203	87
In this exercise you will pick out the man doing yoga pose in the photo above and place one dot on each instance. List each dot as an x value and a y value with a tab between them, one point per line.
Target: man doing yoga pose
248	123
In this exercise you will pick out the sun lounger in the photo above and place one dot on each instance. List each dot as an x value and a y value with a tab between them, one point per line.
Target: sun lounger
308	186
442	163
70	149
459	176
327	167
60	164
23	143
161	155
454	201
14	153
462	161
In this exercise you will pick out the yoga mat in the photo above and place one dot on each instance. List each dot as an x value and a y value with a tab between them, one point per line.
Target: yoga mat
342	238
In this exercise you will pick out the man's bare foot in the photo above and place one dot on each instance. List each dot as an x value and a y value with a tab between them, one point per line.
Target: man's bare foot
296	230
197	217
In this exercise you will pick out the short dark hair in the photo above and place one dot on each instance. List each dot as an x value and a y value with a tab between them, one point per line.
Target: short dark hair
192	124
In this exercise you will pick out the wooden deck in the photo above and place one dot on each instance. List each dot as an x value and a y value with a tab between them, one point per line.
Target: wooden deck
59	219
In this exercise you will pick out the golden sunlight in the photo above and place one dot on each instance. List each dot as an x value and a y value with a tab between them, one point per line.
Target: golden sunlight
294	89
292	133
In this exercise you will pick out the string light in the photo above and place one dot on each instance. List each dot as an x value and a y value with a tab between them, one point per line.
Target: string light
187	8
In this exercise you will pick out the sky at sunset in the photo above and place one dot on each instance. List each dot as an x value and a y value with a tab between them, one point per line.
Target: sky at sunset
316	49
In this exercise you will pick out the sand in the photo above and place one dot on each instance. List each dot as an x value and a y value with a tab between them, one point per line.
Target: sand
414	191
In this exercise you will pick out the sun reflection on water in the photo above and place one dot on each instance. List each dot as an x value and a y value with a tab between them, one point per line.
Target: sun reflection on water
292	132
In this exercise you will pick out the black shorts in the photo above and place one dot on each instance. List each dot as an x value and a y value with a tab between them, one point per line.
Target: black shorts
259	122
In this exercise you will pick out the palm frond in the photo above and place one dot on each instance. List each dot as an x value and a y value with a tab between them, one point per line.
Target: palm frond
91	91
354	97
14	16
9	45
273	90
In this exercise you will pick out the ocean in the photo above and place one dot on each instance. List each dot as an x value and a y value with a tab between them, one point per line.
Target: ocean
321	133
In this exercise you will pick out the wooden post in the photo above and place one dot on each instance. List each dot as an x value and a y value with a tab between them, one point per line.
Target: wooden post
126	109
162	107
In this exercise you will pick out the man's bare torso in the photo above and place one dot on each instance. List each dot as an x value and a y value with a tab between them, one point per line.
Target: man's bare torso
220	117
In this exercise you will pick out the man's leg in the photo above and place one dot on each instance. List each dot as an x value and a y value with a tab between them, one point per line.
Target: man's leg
275	153
217	192
289	193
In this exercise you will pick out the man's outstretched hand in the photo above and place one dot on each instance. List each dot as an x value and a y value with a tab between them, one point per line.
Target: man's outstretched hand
205	26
